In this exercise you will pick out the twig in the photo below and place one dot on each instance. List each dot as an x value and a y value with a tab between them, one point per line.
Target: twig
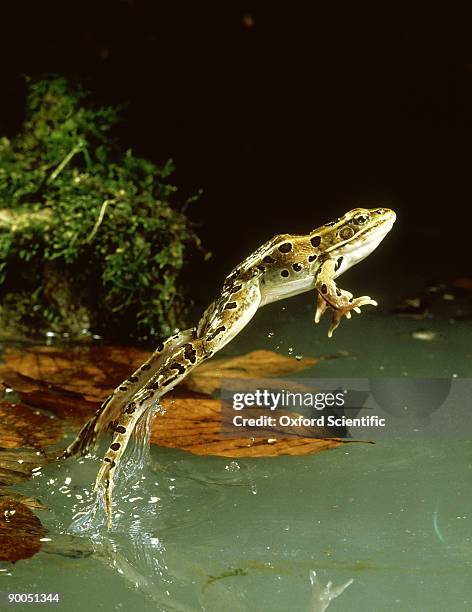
99	220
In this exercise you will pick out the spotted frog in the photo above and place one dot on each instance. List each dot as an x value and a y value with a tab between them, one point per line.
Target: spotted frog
284	266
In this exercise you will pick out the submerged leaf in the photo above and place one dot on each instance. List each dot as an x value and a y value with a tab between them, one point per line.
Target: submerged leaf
20	531
31	502
93	371
21	426
18	465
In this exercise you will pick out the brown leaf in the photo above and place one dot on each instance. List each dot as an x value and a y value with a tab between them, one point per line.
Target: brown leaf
21	426
194	424
17	465
71	382
20	531
31	502
463	283
92	371
207	377
65	405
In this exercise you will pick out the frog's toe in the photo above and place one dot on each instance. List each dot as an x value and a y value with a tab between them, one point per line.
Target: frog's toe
337	315
104	485
364	300
321	307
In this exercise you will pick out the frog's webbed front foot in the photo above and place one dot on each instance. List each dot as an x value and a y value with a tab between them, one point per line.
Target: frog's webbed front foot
330	296
341	310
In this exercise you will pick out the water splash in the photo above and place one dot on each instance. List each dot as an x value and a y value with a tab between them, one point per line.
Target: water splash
91	518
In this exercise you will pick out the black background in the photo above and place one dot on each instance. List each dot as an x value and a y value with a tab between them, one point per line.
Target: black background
286	116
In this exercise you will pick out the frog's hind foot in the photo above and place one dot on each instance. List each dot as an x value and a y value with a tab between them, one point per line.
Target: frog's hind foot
104	482
122	434
104	486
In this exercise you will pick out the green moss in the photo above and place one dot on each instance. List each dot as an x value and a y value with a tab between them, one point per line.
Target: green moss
93	235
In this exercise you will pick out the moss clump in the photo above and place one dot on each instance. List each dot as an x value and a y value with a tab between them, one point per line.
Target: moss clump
90	236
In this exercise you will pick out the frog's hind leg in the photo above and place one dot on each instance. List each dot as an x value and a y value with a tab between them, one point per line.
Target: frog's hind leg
223	324
113	406
170	374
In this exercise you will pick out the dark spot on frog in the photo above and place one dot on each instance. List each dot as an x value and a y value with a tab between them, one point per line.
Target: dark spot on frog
170	380
351	299
190	353
232	276
145	367
216	332
123	388
261	268
297	267
268	259
346	233
324	288
160	347
146	398
154	386
115	446
338	292
284	273
286	247
177	366
131	408
133	379
231	305
316	241
338	264
312	257
236	288
120	429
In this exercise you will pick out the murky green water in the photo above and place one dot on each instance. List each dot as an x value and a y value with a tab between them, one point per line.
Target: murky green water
207	533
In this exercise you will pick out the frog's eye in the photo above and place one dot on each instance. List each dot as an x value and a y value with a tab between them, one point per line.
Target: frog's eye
361	219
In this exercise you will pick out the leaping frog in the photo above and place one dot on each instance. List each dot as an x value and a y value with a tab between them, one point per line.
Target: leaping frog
284	266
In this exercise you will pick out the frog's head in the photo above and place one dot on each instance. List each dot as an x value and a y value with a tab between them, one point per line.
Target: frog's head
356	234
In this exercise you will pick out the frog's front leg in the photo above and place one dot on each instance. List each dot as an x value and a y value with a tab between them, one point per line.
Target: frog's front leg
330	296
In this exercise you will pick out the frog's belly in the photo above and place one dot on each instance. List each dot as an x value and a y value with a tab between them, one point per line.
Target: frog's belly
274	292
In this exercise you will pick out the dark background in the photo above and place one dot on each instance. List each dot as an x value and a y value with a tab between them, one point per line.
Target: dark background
285	116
